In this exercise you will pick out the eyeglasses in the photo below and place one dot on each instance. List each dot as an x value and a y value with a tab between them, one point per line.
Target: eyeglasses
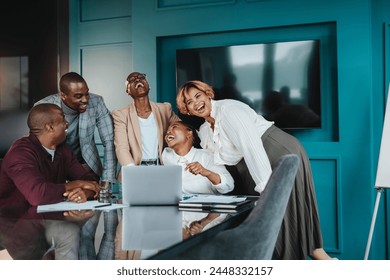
136	77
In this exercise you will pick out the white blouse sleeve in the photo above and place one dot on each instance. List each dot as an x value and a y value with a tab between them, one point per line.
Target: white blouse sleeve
239	125
227	181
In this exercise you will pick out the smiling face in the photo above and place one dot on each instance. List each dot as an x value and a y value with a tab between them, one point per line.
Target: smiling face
77	96
137	85
178	135
59	126
198	103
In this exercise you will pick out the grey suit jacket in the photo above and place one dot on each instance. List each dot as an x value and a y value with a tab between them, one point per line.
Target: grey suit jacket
96	116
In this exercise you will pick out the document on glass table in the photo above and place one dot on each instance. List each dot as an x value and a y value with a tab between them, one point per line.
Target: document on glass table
88	205
213	201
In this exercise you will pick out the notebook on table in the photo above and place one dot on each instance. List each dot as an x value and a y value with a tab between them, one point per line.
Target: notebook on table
151	185
213	202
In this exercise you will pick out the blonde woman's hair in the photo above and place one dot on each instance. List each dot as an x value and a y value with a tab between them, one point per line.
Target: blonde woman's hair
181	94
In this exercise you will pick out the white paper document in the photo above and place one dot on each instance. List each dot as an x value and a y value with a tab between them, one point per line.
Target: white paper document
88	205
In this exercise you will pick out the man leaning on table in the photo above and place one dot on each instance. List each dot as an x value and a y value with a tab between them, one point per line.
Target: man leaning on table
40	168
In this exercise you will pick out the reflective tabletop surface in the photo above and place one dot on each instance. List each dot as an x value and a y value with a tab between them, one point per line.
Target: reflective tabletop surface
137	232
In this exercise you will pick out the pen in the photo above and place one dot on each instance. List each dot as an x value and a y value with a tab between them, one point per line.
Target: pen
103	205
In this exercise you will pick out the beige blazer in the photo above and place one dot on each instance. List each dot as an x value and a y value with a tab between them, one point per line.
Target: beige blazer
127	134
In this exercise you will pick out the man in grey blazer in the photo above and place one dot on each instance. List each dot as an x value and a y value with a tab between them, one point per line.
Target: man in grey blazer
85	112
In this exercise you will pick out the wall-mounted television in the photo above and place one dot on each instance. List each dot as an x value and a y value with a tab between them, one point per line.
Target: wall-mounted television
279	80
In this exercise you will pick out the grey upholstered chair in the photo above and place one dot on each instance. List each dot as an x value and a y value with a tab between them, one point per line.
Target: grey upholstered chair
255	237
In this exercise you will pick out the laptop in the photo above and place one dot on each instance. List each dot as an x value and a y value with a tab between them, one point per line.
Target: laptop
151	185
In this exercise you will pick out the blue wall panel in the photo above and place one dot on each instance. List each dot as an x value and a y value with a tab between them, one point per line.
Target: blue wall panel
328	198
169	4
104	9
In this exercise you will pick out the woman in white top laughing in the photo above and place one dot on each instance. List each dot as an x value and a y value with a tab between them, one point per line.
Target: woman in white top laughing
200	174
235	133
181	150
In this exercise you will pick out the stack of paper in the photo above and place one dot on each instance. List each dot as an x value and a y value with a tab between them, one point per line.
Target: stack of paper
211	202
69	206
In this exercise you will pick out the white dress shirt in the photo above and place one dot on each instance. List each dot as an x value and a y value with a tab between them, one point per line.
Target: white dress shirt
198	184
236	135
149	137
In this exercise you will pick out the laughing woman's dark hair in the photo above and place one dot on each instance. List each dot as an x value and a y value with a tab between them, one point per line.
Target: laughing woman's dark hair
195	137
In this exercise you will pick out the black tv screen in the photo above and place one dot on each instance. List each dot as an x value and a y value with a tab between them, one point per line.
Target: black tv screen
280	81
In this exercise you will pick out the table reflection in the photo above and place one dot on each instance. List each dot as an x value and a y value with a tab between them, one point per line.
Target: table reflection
143	232
28	235
196	222
147	230
151	227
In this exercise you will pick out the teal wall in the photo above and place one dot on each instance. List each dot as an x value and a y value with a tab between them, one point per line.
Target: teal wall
143	34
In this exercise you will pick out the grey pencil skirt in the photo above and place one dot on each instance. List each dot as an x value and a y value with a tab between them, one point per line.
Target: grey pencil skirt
300	233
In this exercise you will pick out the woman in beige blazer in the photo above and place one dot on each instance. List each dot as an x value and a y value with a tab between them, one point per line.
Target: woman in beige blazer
139	130
128	129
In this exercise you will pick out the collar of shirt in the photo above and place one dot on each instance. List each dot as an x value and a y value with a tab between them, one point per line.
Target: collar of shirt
175	158
214	108
189	157
67	110
40	148
50	151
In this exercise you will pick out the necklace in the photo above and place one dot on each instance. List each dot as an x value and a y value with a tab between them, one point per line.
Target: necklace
144	114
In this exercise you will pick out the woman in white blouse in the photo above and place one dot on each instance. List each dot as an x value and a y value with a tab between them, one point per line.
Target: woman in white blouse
181	151
200	174
233	132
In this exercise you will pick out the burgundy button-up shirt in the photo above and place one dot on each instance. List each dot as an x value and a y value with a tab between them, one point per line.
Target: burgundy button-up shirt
29	176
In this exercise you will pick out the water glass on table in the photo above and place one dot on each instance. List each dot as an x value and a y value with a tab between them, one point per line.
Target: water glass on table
105	192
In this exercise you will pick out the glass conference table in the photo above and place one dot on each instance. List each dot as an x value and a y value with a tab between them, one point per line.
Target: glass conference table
156	232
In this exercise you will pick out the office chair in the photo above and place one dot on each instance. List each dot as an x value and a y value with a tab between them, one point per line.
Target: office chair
255	237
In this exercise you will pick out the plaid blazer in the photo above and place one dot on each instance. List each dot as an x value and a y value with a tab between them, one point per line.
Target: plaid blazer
96	116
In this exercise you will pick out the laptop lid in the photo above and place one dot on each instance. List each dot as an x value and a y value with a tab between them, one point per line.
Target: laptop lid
152	185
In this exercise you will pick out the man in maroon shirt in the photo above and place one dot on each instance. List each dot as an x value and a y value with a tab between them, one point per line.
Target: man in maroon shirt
41	168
